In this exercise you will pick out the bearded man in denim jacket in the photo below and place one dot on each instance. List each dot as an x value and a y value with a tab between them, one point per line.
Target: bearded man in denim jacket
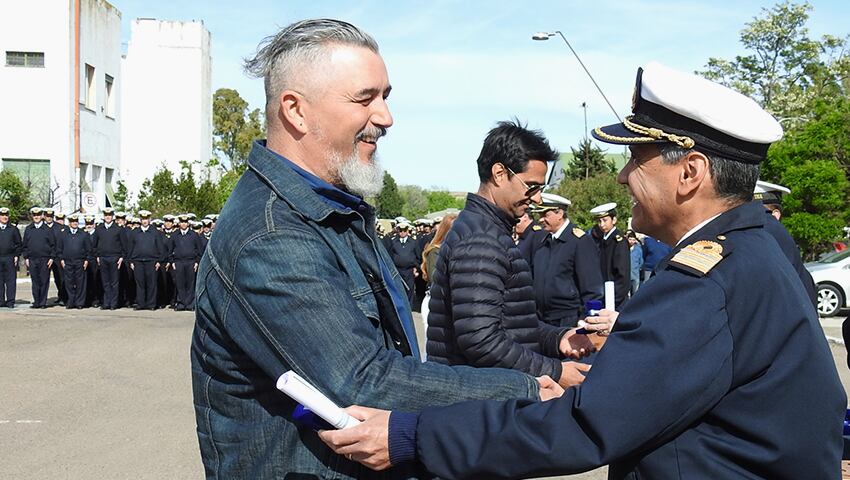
296	279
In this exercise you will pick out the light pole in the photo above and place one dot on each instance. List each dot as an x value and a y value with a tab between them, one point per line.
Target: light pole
547	35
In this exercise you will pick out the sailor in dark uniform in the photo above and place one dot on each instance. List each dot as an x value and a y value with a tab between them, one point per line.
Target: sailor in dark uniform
198	228
614	255
166	291
186	252
145	254
716	368
94	290
405	253
39	249
126	287
10	250
110	251
530	235
565	266
58	275
425	234
74	247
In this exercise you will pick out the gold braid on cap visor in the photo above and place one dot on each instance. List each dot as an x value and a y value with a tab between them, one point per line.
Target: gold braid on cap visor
650	135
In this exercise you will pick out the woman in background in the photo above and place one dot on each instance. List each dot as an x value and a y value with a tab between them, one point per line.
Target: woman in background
429	259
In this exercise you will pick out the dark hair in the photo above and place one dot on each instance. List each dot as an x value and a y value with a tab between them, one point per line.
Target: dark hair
733	181
513	145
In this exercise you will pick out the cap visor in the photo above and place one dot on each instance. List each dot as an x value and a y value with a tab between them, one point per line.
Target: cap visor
618	134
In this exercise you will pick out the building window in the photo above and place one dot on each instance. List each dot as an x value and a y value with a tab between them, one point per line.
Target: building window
25	59
35	175
110	98
84	177
89	100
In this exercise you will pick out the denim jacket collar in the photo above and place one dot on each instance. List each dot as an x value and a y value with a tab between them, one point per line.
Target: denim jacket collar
307	193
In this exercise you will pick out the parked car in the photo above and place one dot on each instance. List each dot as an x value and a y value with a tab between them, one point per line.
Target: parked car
831	274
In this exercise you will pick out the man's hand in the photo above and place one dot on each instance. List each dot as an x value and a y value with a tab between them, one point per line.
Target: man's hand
572	374
50	263
132	266
367	443
602	322
98	261
195	268
549	388
85	265
16	262
27	261
156	266
62	263
576	345
120	261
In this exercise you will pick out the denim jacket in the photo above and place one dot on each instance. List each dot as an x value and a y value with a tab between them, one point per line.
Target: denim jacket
289	282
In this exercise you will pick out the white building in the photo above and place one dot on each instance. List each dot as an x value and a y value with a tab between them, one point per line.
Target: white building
166	99
60	118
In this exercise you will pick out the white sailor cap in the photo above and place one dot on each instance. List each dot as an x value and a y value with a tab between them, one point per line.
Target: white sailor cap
604	210
693	112
551	200
144	214
769	193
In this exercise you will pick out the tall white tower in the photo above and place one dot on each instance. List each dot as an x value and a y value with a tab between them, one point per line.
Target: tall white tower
166	99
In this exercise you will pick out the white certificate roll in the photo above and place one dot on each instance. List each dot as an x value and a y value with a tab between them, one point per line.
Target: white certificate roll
609	296
302	392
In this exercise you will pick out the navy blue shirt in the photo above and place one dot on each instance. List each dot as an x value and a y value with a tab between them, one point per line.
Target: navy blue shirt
39	242
186	246
74	246
10	241
109	242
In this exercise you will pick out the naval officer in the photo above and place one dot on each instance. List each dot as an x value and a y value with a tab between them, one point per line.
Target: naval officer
614	256
110	251
10	250
74	250
39	248
565	266
707	373
145	252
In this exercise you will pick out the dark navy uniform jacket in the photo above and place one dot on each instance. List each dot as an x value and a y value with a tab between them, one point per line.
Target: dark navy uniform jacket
531	238
186	247
39	242
146	246
615	260
566	274
10	241
405	255
705	375
792	252
74	247
109	242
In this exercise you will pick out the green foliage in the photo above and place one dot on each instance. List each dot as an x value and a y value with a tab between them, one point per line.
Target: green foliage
415	201
596	190
784	70
441	200
14	195
163	193
588	160
120	197
234	127
389	203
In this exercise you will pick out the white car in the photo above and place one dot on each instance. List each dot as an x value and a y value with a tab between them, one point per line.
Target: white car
832	277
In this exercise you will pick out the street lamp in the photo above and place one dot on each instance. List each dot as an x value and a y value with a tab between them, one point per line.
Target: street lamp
546	35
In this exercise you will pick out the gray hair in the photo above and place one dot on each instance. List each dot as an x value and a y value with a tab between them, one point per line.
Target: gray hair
733	181
303	43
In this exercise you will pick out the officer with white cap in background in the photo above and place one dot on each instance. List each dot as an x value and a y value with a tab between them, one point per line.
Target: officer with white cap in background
565	265
614	256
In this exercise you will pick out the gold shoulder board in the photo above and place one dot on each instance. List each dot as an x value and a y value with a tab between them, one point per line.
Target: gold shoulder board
537	228
578	232
700	257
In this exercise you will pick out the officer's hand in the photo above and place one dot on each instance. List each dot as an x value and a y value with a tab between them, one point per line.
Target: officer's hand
156	266
27	262
50	263
572	374
602	323
98	261
367	443
549	388
85	264
576	345
132	266
195	267
62	263
16	262
120	261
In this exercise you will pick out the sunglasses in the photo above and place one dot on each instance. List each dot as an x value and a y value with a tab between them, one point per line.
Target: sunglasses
530	190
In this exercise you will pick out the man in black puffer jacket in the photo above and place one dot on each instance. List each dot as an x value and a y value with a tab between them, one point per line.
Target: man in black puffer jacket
483	311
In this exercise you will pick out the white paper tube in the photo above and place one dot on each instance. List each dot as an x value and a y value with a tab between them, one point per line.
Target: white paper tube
302	392
609	296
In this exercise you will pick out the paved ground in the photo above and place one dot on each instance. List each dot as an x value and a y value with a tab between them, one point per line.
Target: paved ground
92	394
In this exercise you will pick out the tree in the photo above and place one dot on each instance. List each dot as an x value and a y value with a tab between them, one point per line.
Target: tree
234	127
588	160
440	200
784	69
159	193
389	203
120	196
14	195
596	190
415	201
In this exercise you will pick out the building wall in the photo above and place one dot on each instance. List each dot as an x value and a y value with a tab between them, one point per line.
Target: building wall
37	118
166	99
100	132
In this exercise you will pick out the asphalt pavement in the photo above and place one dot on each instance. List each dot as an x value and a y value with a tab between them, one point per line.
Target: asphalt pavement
91	394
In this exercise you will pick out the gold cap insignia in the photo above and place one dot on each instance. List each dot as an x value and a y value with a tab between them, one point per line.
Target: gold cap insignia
699	256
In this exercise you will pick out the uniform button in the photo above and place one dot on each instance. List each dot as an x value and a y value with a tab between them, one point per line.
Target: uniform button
721	237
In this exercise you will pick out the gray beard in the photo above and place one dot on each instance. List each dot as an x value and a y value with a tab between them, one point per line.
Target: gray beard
356	178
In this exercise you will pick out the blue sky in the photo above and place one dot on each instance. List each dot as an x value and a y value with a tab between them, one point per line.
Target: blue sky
457	67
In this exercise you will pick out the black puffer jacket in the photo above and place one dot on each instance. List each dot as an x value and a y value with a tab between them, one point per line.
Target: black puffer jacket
482	301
